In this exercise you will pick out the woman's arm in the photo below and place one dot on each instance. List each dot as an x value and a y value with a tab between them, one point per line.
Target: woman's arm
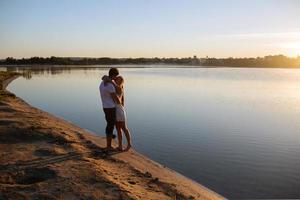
122	100
118	88
115	98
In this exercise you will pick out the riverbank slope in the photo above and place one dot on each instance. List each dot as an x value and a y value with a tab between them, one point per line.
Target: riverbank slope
45	157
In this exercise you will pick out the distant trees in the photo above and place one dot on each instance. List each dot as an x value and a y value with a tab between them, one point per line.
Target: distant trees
38	60
99	61
267	61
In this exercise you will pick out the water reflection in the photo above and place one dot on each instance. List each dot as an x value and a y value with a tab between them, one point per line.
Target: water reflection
28	72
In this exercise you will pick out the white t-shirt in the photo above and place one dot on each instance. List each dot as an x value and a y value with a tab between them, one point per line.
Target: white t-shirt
105	93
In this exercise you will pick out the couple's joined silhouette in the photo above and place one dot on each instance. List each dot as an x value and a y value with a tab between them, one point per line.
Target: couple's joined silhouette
112	97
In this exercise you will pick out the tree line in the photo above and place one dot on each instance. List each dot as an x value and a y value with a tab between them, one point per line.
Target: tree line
267	61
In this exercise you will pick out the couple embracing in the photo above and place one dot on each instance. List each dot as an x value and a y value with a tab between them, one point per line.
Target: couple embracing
112	96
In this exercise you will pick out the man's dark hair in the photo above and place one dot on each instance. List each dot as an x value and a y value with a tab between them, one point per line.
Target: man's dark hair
113	72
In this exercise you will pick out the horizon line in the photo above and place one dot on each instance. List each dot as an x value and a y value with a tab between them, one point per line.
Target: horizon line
90	57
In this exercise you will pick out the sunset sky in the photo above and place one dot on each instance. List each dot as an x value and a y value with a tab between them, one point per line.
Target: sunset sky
149	28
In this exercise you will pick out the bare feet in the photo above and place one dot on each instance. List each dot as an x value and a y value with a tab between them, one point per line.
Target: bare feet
109	149
120	148
128	147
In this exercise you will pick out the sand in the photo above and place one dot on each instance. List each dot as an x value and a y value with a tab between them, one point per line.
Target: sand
45	157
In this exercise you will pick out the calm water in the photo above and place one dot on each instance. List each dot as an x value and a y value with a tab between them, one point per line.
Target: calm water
236	131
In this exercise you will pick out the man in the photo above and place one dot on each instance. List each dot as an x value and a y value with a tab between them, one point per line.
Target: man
109	100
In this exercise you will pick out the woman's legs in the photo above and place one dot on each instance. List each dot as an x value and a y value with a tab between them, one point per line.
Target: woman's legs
127	135
119	130
121	126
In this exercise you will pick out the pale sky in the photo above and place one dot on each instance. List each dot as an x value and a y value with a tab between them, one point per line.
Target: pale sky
149	28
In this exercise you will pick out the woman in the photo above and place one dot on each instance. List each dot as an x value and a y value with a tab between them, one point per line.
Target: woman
120	112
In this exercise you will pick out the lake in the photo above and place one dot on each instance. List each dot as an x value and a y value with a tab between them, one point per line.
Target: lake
234	130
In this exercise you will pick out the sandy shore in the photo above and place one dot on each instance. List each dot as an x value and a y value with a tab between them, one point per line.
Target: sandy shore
45	157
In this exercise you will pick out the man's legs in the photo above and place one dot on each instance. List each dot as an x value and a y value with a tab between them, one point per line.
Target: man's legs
110	116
